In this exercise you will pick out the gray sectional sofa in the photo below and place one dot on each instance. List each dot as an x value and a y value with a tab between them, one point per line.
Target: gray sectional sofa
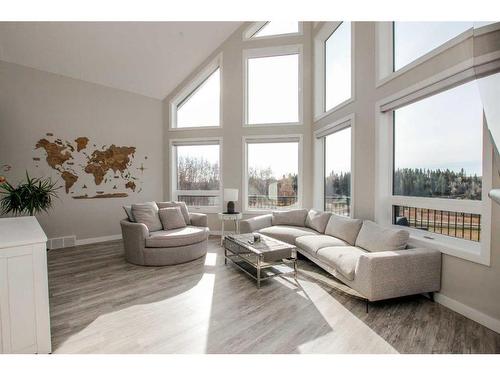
374	261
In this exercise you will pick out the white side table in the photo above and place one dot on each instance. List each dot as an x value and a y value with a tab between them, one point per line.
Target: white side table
236	217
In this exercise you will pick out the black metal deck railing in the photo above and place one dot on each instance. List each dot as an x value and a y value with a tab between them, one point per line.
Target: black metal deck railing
449	223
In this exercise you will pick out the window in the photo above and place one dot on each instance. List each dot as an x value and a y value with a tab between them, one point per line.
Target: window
199	103
438	146
337	173
338	66
414	39
273	86
272	29
272	183
434	164
333	67
195	175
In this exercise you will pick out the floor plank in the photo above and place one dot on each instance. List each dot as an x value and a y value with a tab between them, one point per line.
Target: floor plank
102	304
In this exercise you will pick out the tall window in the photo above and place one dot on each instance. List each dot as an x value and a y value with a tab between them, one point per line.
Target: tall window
272	182
438	152
337	148
414	39
338	66
196	173
198	104
273	86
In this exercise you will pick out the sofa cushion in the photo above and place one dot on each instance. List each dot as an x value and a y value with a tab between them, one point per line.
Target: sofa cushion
342	258
317	220
296	218
287	233
181	205
147	213
177	237
171	218
313	243
343	227
373	237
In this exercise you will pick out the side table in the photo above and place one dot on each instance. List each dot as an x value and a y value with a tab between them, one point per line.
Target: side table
236	217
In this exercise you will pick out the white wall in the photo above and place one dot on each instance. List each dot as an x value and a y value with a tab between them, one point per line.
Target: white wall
33	103
232	116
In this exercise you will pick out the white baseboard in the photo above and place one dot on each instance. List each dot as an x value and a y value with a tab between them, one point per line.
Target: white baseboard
468	312
88	241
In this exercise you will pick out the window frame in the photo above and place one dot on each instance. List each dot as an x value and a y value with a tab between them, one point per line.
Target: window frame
255	27
384	45
174	193
191	87
322	35
320	163
271	139
478	252
292	49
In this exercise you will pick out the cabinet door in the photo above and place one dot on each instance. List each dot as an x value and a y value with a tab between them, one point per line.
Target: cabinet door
18	300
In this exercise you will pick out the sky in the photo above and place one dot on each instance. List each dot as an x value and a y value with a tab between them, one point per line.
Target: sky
338	152
442	131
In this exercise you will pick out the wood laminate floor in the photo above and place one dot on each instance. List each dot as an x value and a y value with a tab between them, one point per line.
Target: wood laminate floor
102	304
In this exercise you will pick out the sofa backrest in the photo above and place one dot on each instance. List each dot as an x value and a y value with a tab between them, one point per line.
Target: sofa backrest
295	218
373	237
344	227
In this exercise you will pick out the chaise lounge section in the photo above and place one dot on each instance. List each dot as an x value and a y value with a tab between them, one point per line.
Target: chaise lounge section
374	261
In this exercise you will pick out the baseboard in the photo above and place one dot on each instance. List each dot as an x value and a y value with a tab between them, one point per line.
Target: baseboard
468	312
88	241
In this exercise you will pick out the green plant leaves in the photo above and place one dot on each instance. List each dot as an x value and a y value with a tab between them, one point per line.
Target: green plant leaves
31	197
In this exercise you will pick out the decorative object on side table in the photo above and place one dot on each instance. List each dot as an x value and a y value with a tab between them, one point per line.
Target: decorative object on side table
236	217
230	196
31	197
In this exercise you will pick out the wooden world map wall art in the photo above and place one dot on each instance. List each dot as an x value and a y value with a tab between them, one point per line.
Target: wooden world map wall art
90	171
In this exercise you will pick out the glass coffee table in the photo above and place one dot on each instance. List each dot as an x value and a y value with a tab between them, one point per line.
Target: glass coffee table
261	260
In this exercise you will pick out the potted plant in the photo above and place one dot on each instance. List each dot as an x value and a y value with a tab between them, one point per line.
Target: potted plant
30	197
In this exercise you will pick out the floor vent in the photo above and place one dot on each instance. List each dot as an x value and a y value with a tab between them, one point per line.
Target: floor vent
60	242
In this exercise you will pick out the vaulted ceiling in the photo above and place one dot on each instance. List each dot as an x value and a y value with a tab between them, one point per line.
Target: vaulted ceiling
147	58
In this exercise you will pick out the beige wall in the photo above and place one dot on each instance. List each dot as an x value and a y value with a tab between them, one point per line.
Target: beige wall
33	103
232	116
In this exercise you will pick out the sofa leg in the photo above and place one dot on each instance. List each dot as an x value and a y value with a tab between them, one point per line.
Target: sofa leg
367	305
431	296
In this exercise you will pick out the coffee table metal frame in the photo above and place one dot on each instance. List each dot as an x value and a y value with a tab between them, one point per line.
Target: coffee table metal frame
252	262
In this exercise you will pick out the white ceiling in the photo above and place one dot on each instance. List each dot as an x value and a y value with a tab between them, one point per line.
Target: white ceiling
148	58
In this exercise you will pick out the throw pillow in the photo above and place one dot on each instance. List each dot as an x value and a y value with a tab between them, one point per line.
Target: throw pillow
295	218
128	211
317	220
181	205
172	218
373	237
147	213
344	227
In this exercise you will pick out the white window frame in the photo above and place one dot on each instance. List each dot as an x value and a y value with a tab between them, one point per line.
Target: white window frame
325	31
271	139
190	88
273	52
251	30
478	252
319	159
174	193
384	44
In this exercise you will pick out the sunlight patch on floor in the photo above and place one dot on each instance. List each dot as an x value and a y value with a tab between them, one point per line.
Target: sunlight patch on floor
149	327
211	259
349	334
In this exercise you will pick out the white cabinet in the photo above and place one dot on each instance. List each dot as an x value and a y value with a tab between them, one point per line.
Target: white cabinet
24	296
